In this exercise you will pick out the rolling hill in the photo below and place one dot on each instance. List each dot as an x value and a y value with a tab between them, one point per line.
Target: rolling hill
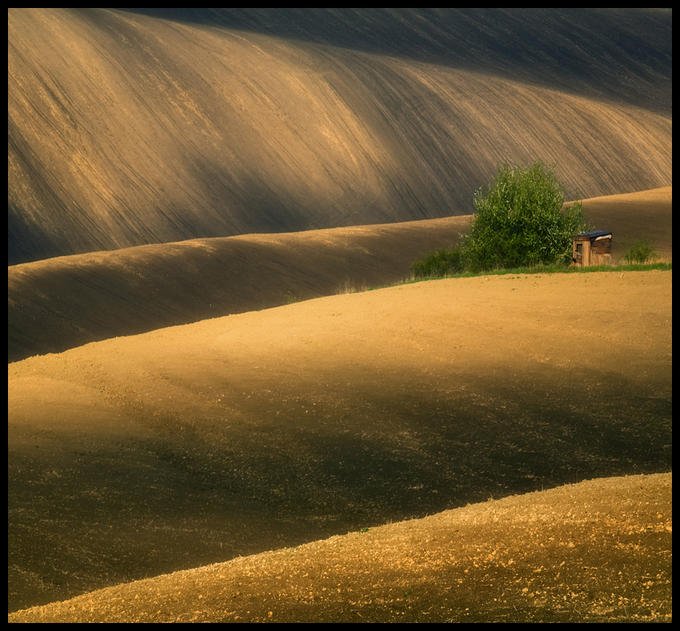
597	551
188	445
211	419
63	302
67	301
582	52
128	129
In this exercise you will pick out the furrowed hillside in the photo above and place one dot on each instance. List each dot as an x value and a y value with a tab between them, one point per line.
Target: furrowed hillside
128	129
584	52
211	418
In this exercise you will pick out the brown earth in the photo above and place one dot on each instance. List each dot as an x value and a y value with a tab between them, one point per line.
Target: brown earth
597	551
137	456
538	45
63	302
126	129
188	445
66	301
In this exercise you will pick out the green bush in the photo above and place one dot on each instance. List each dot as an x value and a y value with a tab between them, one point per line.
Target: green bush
521	221
438	263
640	252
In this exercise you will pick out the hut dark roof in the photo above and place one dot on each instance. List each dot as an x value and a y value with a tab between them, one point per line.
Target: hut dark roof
593	234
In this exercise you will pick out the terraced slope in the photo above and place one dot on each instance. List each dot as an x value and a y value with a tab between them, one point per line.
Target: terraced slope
189	445
597	551
127	129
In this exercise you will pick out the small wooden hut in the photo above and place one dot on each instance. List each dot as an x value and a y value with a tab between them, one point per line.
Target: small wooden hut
592	248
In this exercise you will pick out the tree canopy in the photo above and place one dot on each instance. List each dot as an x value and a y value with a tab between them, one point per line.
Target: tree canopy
521	220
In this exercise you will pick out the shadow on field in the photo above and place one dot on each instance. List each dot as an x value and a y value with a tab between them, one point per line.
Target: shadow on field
526	44
88	512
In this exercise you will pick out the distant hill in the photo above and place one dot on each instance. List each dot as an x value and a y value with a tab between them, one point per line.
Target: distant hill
128	129
593	52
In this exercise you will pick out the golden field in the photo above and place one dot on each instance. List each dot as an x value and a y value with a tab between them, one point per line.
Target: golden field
187	445
58	303
228	401
589	552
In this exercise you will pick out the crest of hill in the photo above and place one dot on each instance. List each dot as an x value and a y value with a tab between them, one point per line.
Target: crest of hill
584	51
63	302
597	551
126	129
142	455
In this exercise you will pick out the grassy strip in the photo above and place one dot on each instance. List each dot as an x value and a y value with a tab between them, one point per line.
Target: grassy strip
551	269
349	288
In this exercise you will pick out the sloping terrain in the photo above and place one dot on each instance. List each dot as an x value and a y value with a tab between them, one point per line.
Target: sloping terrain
643	215
67	301
63	302
597	551
189	445
584	52
127	129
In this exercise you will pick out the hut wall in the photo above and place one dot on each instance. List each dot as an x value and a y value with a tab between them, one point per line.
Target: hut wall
600	252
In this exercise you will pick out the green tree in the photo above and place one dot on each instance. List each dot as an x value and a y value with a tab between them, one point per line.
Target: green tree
521	220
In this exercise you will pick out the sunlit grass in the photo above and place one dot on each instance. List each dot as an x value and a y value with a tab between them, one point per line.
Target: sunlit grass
350	288
552	269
